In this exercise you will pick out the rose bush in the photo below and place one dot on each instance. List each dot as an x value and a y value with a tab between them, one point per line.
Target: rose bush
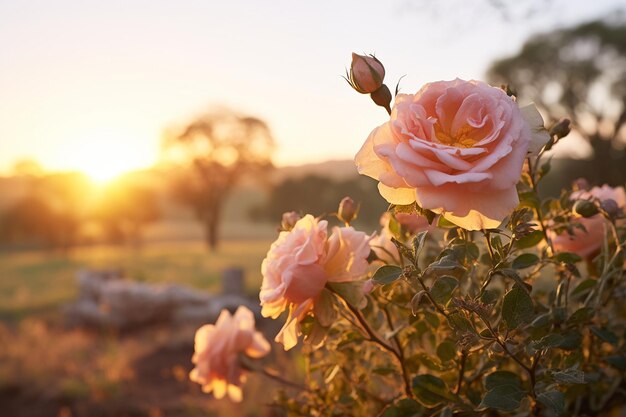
456	148
483	309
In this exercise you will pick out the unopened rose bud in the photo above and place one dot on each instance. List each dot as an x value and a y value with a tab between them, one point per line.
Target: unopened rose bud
585	208
561	128
366	73
581	184
289	220
610	207
368	286
347	210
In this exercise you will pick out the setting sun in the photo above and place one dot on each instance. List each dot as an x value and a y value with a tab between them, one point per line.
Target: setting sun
106	154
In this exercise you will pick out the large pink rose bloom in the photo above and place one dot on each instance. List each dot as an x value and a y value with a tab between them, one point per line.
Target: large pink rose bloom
456	148
216	350
300	263
586	243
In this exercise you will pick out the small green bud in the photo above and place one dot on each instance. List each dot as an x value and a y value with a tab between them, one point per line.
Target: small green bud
561	128
585	208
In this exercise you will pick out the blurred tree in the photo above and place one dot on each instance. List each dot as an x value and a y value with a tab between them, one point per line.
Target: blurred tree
219	148
303	195
49	214
124	209
581	73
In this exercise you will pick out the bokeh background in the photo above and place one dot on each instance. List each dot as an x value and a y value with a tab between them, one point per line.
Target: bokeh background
150	148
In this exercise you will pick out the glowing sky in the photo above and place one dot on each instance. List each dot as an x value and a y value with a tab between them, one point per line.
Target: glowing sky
91	85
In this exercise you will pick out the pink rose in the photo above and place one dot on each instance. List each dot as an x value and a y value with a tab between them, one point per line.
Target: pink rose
366	73
217	347
586	243
300	263
456	148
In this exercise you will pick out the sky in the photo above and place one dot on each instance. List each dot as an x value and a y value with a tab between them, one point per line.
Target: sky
92	85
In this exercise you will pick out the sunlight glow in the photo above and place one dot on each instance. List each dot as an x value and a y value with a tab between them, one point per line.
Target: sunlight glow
106	154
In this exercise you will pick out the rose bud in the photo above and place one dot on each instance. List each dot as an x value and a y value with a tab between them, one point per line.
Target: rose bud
581	184
585	208
289	220
610	207
561	128
347	210
366	73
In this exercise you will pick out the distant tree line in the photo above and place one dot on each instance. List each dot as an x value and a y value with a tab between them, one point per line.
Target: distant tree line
321	195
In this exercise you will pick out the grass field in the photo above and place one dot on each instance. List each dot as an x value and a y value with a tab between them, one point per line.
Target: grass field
47	369
37	283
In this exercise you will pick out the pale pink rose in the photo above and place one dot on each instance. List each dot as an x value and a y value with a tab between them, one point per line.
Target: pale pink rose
216	353
456	148
300	263
414	223
586	243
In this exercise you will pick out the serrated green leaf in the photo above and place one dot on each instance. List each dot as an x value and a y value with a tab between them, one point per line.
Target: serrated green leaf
498	378
517	308
584	286
548	341
503	397
554	400
525	260
568	376
530	240
430	390
418	243
406	407
387	274
442	288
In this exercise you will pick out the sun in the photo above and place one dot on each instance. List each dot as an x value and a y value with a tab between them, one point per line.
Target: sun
106	154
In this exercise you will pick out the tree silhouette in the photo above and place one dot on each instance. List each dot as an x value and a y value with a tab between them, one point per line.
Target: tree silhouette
578	72
219	148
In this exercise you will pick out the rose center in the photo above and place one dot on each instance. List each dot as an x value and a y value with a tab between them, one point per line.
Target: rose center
462	139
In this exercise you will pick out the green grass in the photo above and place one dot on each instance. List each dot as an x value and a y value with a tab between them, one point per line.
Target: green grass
39	282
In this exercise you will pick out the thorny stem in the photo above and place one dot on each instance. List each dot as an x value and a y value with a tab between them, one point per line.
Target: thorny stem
271	374
461	372
529	370
430	297
373	337
533	183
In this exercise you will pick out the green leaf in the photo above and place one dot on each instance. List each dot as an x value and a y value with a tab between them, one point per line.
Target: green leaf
406	407
446	351
584	286
512	273
441	290
490	296
617	361
418	243
530	240
548	341
567	258
498	378
568	376
387	274
459	322
445	224
525	260
605	334
581	315
517	308
430	390
552	399
324	309
352	292
503	397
